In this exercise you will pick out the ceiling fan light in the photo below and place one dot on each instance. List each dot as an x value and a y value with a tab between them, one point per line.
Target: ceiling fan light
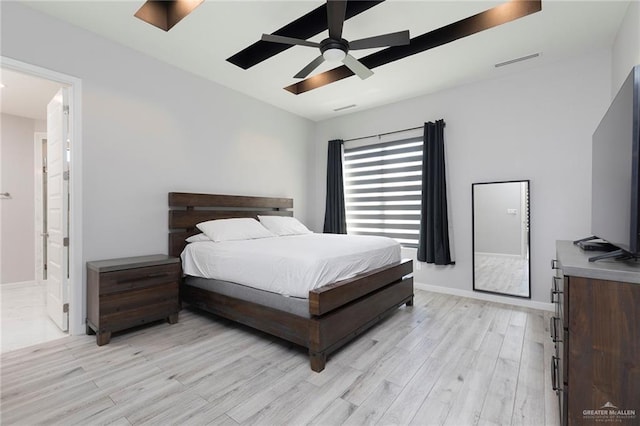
334	55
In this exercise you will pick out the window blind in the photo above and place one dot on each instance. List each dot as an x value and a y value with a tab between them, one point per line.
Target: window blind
383	184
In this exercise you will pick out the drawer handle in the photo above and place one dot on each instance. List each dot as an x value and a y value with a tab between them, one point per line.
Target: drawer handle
554	264
554	374
555	290
553	328
158	274
147	277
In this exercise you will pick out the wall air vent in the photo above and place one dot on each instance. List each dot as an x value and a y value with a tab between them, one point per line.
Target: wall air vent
513	61
345	107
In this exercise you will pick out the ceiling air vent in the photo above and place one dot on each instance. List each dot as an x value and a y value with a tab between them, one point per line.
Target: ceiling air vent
513	61
345	107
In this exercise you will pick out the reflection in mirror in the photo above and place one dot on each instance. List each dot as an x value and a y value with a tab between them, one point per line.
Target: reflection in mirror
501	238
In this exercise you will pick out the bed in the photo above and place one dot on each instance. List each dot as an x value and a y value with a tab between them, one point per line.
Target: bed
329	317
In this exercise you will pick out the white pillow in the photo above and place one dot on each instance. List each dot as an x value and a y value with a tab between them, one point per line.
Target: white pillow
234	229
284	225
197	237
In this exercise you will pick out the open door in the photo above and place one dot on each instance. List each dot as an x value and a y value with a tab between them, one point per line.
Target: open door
57	283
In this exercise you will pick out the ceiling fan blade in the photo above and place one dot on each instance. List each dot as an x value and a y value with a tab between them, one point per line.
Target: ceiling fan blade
490	18
356	66
288	40
336	10
305	27
312	66
400	38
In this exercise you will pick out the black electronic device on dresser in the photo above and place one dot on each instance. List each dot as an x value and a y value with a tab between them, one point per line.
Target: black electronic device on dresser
595	369
124	293
615	196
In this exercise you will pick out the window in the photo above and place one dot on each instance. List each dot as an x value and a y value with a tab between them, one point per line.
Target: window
383	185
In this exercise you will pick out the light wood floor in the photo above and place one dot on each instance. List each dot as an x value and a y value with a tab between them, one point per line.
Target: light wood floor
447	360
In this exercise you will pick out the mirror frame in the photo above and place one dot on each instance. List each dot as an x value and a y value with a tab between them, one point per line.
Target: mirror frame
473	237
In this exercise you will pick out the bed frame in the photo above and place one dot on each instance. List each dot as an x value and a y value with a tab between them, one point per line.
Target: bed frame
338	312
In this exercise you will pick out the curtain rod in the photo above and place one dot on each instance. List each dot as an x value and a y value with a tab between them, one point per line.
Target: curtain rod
384	134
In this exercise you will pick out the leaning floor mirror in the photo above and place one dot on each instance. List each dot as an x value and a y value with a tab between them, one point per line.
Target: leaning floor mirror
501	239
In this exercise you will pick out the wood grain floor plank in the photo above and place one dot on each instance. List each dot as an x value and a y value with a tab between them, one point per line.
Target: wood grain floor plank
222	381
19	375
149	390
528	406
469	402
512	344
446	360
499	401
371	409
174	410
335	414
437	405
317	402
49	405
278	412
80	412
402	374
251	406
405	406
223	420
501	320
24	394
243	391
461	336
536	329
368	382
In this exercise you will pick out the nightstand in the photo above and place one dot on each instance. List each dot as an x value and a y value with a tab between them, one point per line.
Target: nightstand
124	293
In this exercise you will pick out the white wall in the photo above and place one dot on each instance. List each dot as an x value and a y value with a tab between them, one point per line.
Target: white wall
536	124
626	47
18	226
150	128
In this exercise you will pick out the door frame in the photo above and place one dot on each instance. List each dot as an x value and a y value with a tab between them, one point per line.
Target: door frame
77	304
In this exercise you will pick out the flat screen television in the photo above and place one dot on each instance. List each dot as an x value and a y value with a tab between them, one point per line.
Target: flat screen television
615	213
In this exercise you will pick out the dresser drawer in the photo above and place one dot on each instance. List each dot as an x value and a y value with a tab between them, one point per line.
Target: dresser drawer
130	279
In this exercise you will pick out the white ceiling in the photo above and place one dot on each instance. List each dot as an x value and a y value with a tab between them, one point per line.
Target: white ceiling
216	30
25	95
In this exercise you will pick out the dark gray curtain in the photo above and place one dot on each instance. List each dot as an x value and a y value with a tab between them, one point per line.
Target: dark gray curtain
433	244
335	219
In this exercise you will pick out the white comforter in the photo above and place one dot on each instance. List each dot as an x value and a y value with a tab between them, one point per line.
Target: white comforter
290	265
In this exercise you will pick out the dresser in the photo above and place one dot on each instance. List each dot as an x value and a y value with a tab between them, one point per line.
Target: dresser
123	293
596	331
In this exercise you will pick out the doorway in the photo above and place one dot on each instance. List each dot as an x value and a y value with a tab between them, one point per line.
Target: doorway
72	306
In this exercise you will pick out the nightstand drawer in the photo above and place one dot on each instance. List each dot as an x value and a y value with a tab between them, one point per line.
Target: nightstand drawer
130	279
133	299
140	315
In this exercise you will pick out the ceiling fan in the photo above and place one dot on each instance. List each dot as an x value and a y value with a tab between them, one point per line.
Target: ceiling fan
335	48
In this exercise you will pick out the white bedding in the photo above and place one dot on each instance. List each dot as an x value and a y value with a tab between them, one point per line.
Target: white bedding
289	265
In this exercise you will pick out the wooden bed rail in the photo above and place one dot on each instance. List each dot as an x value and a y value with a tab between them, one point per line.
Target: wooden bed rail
331	296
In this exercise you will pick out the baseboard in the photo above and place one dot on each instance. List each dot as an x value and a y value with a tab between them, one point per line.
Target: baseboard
526	303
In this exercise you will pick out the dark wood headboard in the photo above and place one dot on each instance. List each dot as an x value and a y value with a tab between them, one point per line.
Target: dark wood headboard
186	210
